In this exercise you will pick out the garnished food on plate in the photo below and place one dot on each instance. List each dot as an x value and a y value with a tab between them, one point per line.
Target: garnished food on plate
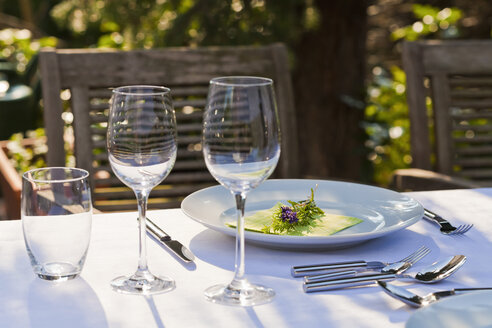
302	218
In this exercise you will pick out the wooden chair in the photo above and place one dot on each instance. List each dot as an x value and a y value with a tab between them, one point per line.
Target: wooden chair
90	73
451	142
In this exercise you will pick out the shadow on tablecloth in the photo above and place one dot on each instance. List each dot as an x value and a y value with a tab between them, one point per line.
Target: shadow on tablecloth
67	304
219	250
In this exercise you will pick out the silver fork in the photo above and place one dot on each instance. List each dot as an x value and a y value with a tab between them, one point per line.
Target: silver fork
315	269
395	267
446	227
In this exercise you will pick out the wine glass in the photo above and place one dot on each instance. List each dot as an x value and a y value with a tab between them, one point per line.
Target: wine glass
141	142
241	146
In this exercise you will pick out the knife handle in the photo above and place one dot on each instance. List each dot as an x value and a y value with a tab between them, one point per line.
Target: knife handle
315	269
433	217
318	286
331	275
156	231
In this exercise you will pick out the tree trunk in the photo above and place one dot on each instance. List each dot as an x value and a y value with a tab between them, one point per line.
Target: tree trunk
329	91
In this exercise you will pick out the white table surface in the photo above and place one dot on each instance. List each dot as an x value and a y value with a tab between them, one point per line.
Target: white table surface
88	301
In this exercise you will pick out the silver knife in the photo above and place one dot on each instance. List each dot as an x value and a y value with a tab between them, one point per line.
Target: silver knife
417	301
175	246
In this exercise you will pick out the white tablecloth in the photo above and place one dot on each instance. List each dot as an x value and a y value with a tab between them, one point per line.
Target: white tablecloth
88	301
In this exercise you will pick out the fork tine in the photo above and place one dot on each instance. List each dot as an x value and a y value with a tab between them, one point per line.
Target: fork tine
409	257
419	256
416	253
461	229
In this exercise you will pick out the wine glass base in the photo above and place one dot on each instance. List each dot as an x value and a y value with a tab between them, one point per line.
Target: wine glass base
245	296
137	285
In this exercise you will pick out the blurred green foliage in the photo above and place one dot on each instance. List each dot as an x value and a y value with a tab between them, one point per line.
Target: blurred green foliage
130	24
18	46
432	21
387	124
23	157
29	156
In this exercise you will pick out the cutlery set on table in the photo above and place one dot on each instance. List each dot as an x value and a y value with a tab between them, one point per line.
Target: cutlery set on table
338	275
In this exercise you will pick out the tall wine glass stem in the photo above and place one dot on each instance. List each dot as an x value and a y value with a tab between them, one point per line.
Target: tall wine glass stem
239	291
142	198
239	265
142	282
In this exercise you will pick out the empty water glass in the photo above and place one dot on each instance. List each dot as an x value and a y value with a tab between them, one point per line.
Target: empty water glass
56	214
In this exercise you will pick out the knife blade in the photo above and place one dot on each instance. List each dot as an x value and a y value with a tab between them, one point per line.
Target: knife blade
175	246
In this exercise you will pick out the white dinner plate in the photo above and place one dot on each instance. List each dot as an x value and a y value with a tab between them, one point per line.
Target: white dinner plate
382	211
473	310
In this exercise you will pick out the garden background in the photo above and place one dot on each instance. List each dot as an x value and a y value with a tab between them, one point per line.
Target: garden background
349	87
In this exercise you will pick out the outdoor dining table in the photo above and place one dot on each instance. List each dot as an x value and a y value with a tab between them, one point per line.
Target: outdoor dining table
89	301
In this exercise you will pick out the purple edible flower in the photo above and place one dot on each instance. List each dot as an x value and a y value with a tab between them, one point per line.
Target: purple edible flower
288	215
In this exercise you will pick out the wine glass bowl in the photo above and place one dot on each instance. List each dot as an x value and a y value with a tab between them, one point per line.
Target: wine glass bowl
141	143
241	147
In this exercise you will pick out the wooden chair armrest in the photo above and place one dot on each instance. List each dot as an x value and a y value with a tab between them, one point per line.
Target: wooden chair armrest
420	180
